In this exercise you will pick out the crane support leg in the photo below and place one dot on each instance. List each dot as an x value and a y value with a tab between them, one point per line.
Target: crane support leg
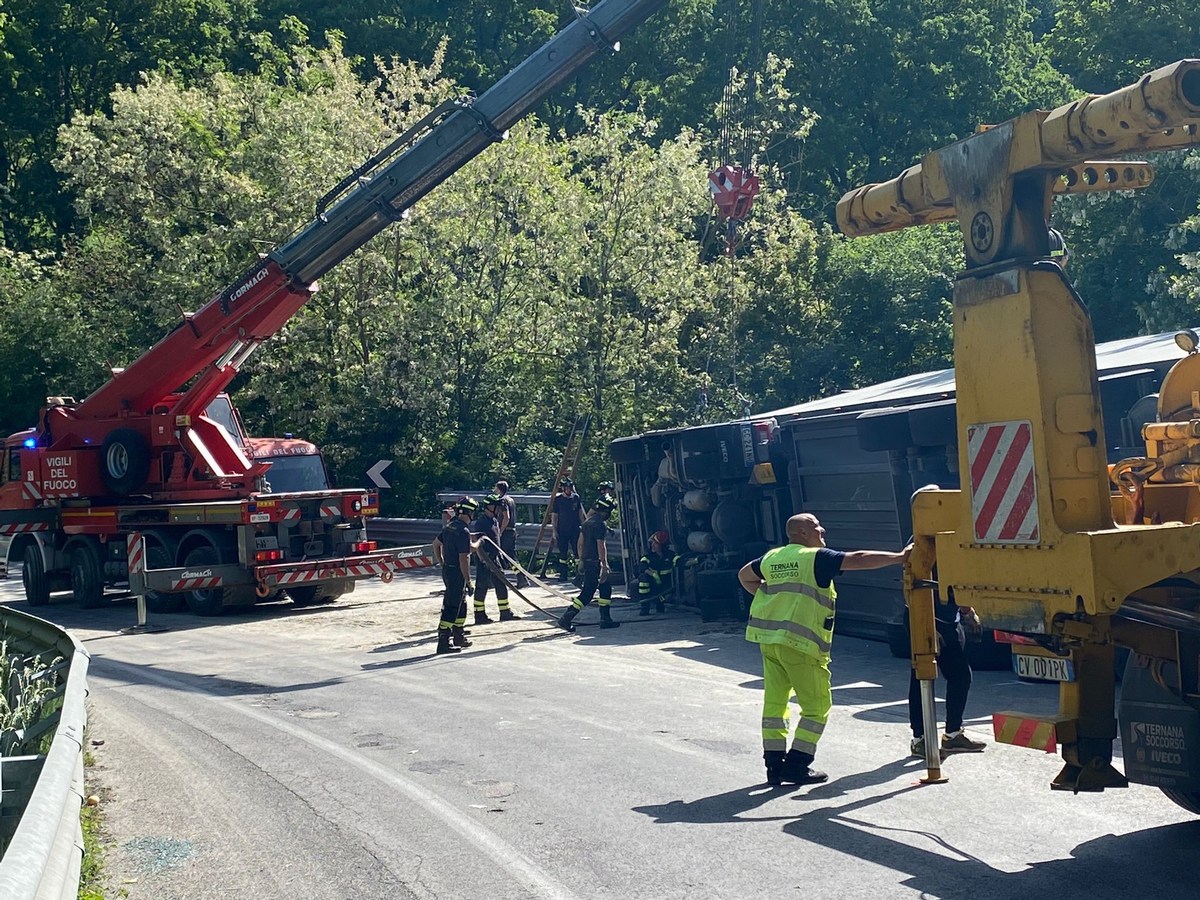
1087	726
919	586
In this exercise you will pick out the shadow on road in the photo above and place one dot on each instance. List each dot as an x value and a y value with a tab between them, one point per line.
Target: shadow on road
1155	862
726	807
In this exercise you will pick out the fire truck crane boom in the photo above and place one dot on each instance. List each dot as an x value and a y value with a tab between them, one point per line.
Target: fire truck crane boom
262	300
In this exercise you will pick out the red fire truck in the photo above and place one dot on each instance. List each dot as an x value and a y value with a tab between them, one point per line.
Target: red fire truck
140	484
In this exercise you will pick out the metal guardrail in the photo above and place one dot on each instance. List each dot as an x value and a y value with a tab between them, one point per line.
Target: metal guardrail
405	532
40	796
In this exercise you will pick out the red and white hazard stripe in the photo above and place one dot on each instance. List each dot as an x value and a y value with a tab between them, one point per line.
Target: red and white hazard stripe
414	562
331	509
22	527
1004	503
196	584
136	552
356	570
31	490
290	513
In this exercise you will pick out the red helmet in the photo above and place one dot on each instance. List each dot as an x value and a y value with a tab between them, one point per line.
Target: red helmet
661	538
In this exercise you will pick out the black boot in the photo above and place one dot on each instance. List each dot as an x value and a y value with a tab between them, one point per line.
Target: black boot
481	618
606	619
659	607
565	620
507	615
774	761
645	610
459	637
444	642
797	769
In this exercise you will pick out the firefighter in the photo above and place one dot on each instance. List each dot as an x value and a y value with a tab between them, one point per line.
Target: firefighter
791	619
452	548
508	528
486	543
566	517
656	568
1058	248
593	557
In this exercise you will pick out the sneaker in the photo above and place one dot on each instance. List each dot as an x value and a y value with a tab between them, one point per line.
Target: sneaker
917	747
960	743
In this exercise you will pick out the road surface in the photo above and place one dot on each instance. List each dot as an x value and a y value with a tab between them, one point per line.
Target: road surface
328	753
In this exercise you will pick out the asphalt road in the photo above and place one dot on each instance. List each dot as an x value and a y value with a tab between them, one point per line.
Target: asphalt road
327	753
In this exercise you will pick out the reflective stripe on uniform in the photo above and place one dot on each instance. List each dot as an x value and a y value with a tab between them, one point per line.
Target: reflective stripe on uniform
809	747
798	587
793	628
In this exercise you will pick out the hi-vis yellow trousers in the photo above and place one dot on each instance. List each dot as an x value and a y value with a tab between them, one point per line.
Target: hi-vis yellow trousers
787	670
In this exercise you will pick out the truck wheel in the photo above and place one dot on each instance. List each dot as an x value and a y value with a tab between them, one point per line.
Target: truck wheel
210	601
33	577
1189	800
159	557
125	461
87	582
315	594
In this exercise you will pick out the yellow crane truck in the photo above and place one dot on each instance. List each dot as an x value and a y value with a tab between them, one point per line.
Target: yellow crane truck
1045	539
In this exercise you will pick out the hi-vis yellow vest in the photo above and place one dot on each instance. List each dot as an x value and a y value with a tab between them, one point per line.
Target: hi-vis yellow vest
789	608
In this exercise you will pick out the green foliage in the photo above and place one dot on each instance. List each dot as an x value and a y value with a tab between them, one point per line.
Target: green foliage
27	696
1102	45
555	275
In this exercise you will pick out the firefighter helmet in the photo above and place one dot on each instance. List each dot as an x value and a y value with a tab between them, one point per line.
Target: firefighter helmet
492	500
567	482
661	538
466	505
1058	246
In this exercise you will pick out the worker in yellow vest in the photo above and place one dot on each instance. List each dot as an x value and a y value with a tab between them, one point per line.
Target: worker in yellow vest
791	619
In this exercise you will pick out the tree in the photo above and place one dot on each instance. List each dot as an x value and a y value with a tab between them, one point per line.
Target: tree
58	57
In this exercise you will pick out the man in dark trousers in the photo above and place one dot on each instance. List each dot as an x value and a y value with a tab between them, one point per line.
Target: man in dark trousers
452	549
508	526
791	619
593	557
487	541
566	516
956	669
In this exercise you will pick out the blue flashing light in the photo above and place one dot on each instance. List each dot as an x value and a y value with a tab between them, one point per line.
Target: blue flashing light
30	442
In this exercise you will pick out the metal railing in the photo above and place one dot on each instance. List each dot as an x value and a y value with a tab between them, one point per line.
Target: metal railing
406	532
41	841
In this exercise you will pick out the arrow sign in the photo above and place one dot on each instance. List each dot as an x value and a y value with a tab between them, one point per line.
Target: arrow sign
375	473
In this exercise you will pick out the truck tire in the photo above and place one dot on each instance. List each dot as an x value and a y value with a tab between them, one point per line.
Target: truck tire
209	601
124	461
317	594
33	577
87	581
159	556
1189	800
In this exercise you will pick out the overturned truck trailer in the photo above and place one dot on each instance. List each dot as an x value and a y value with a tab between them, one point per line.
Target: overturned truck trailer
725	491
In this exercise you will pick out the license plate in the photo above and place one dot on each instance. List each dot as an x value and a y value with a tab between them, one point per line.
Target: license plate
1044	668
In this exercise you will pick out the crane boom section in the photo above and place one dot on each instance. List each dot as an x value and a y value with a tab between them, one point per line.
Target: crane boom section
262	300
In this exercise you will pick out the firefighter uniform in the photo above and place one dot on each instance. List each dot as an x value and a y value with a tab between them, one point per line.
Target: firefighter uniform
487	527
454	541
791	619
656	568
593	559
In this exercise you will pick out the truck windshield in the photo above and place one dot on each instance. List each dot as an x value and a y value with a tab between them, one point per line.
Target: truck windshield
289	474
